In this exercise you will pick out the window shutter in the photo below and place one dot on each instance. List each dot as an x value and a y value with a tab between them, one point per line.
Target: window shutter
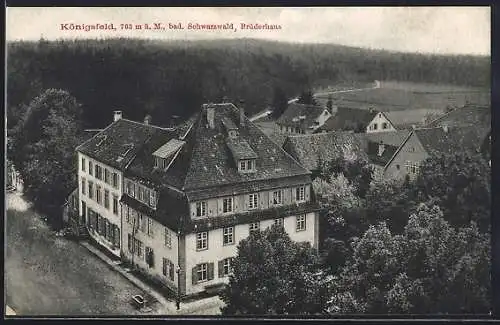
171	270
210	271
194	274
221	268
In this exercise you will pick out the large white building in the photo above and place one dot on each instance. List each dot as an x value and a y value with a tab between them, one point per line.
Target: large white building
189	196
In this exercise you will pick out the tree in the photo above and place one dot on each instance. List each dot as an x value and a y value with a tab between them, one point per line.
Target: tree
356	170
460	184
389	200
274	275
307	97
44	149
430	268
329	103
280	102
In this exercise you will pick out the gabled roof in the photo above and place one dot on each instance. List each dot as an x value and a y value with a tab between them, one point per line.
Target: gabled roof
469	115
407	118
120	142
292	115
348	118
439	140
312	149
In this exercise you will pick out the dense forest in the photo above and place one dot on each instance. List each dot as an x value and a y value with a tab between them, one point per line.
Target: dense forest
166	79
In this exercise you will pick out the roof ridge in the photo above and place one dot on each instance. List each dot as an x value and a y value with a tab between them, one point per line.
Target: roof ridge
399	149
96	135
149	125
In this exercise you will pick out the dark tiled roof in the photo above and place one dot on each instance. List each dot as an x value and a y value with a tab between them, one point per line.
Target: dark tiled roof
211	163
347	118
240	149
120	142
206	160
466	116
407	118
436	141
312	149
381	160
294	111
393	138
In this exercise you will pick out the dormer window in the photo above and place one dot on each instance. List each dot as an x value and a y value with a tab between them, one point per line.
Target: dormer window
244	157
164	153
247	165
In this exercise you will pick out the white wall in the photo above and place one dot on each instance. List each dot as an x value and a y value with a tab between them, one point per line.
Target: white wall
215	205
217	251
378	120
92	203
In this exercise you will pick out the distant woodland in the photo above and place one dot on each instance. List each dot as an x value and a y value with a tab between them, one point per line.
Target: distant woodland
166	79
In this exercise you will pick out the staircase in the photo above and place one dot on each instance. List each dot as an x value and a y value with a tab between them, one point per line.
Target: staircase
82	232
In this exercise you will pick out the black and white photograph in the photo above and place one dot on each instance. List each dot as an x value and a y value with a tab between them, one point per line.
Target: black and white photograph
221	162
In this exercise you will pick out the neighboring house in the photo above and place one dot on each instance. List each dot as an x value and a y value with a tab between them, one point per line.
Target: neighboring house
423	143
380	147
102	160
354	119
469	115
188	198
302	119
315	149
401	120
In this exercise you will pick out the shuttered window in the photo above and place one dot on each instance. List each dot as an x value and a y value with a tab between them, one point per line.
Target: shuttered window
203	272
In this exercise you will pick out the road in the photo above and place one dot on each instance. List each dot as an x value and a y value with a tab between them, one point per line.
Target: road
50	275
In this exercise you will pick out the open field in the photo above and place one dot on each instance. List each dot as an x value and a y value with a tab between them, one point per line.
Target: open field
405	95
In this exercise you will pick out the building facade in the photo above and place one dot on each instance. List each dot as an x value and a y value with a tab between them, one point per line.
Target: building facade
174	204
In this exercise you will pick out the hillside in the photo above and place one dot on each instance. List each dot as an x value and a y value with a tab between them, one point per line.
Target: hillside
174	78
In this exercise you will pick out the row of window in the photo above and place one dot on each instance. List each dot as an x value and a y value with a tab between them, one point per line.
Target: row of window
141	193
291	129
135	247
228	232
253	201
412	168
97	194
101	173
374	126
145	224
109	231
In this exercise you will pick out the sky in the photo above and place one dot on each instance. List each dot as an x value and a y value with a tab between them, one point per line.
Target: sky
440	30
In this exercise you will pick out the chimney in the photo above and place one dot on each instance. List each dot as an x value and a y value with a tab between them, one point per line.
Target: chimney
381	148
242	111
147	119
117	115
210	116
